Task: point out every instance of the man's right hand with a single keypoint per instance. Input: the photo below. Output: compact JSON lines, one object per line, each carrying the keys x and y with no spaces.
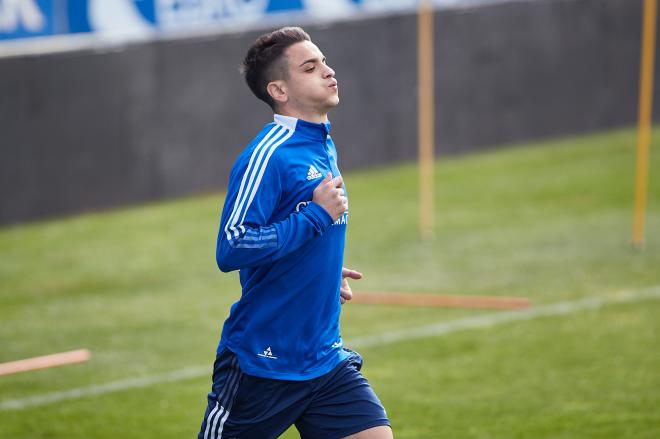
{"x":329,"y":194}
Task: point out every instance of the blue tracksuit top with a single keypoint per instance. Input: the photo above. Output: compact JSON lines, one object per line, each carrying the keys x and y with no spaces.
{"x":289,"y":253}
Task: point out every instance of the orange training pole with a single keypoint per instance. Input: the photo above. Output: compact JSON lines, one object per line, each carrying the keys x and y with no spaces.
{"x":441,"y":301}
{"x":45,"y":362}
{"x":644,"y":122}
{"x":426,"y":117}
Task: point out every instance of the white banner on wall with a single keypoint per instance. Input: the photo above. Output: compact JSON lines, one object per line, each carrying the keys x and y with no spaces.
{"x":37,"y":18}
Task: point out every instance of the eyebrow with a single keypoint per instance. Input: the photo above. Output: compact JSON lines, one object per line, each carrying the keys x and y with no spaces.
{"x":310,"y":60}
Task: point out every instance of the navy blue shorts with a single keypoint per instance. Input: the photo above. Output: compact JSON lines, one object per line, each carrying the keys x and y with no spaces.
{"x":332,"y":406}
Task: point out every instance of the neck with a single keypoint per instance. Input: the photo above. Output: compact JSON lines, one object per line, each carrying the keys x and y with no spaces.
{"x":309,"y":116}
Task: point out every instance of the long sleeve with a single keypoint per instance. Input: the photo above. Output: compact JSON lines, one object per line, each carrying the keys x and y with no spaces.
{"x":289,"y":251}
{"x":247,"y":237}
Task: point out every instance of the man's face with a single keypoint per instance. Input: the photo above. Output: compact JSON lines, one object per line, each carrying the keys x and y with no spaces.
{"x":311,"y":83}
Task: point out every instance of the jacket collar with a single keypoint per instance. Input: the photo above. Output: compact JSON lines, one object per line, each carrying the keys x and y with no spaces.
{"x":318,"y":131}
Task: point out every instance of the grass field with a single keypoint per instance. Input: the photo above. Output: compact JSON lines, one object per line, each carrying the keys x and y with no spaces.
{"x":550,"y":221}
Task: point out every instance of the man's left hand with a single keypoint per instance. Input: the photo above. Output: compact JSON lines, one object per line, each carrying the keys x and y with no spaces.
{"x":345,"y":293}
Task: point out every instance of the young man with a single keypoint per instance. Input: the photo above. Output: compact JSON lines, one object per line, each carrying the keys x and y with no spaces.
{"x":280,"y":360}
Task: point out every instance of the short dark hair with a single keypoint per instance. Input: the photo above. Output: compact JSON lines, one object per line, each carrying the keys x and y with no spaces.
{"x":263,"y":62}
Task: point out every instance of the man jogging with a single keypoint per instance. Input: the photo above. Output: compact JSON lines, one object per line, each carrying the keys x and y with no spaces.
{"x":281,"y":361}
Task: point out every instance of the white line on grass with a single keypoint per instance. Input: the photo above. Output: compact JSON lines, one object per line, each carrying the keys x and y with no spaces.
{"x":436,"y":329}
{"x":101,"y":389}
{"x":486,"y":320}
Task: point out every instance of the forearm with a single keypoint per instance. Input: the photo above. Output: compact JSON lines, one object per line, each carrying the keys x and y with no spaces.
{"x":254,"y":245}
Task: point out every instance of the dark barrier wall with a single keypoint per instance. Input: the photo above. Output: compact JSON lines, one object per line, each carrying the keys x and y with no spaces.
{"x":91,"y":129}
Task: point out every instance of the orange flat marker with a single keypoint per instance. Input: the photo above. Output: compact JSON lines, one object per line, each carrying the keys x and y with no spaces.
{"x":45,"y":362}
{"x":442,"y":301}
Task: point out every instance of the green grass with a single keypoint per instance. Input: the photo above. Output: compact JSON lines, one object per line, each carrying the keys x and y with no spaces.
{"x":550,"y":221}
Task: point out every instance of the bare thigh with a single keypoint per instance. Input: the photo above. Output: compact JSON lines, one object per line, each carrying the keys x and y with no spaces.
{"x":381,"y":432}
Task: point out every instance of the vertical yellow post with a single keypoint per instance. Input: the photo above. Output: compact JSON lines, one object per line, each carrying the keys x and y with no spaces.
{"x":644,"y":123}
{"x":426,"y":117}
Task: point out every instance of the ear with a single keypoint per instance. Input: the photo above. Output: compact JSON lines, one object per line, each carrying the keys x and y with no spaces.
{"x":277,"y":90}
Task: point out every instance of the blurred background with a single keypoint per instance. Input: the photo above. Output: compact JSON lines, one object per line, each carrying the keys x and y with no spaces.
{"x":120,"y":121}
{"x":130,"y":101}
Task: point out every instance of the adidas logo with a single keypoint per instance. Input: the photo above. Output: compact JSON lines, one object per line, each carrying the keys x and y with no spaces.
{"x":268,"y":354}
{"x":313,"y":173}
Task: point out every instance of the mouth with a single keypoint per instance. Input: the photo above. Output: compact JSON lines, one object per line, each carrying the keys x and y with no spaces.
{"x":333,"y":85}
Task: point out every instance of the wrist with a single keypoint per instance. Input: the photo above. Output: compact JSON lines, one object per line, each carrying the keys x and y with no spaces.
{"x":321,"y":215}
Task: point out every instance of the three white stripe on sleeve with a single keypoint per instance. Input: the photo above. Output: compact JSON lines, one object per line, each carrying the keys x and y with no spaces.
{"x":253,"y":175}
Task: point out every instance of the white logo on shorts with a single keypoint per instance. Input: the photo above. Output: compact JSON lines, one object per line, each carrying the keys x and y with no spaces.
{"x":268,"y":353}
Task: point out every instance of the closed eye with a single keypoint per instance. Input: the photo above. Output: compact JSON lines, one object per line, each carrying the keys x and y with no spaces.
{"x":311,"y":63}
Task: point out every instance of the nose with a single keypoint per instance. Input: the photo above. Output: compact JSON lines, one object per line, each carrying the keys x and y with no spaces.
{"x":329,"y":73}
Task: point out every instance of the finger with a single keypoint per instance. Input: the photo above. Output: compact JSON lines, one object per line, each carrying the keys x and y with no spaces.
{"x":326,"y":180}
{"x":353,"y":274}
{"x":345,"y":289}
{"x":346,"y":294}
{"x":342,"y":300}
{"x":338,"y":181}
{"x":330,"y":181}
